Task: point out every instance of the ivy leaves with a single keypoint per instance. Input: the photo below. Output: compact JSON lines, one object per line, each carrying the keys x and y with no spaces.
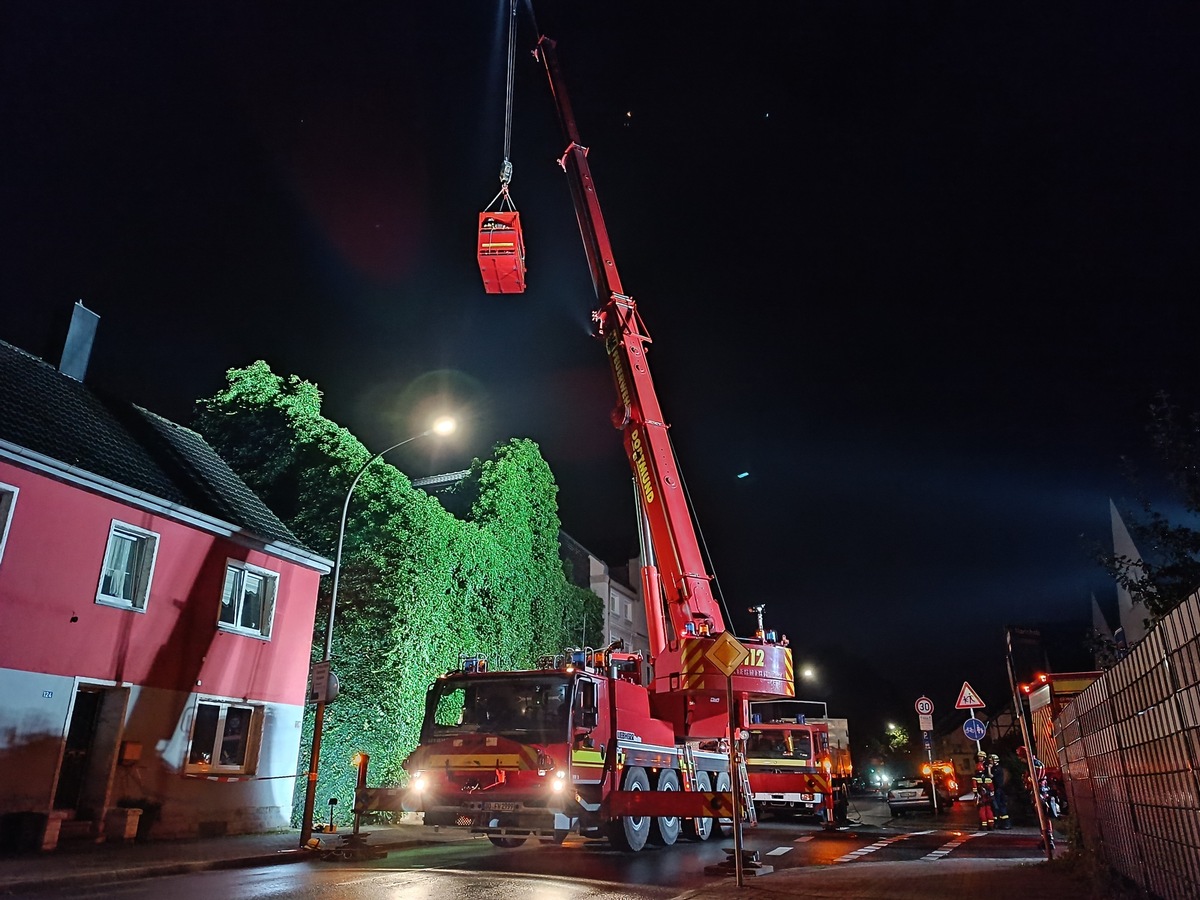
{"x":418,"y":586}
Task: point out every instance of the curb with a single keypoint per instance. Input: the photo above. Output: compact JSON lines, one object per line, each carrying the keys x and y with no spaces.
{"x":159,"y":870}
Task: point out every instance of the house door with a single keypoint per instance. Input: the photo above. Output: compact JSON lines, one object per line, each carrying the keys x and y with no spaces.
{"x":90,"y":754}
{"x":81,"y":738}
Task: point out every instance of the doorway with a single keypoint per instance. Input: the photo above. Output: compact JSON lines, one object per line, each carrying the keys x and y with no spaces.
{"x":90,"y":749}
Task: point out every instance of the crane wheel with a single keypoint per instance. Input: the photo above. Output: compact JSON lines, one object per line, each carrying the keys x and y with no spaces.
{"x":700,"y":829}
{"x":723,"y":826}
{"x":631,"y":832}
{"x":666,"y":828}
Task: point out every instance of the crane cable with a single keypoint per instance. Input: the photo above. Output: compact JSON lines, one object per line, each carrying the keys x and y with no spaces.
{"x":506,"y":167}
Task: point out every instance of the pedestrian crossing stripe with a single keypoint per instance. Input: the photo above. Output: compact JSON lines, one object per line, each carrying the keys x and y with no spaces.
{"x":948,"y":848}
{"x":779,"y":851}
{"x":878,"y":845}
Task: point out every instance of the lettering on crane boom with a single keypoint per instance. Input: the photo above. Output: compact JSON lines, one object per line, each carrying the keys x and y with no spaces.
{"x":635,"y":436}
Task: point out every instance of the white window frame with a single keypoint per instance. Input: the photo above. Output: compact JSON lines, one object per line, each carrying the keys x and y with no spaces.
{"x":8,"y":503}
{"x":270,"y":582}
{"x":252,"y":739}
{"x":147,"y":544}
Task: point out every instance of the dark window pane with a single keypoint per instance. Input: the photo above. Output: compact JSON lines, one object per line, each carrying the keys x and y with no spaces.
{"x":229,"y":596}
{"x":234,"y":737}
{"x":204,"y":734}
{"x":252,"y":601}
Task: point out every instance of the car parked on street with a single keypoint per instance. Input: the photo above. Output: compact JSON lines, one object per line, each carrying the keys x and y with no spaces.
{"x":909,"y":792}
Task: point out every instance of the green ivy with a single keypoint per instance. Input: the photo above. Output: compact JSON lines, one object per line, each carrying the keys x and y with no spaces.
{"x":418,"y":586}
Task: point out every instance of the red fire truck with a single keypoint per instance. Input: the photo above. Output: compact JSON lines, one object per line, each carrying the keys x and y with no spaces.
{"x":797,"y":765}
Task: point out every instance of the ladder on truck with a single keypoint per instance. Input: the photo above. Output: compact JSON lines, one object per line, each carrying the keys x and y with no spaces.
{"x":747,"y":795}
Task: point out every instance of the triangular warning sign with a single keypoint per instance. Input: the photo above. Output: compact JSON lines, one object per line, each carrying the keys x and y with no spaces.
{"x":968,"y":699}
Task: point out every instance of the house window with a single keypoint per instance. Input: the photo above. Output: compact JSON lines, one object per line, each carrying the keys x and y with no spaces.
{"x":8,"y":500}
{"x":628,"y":611}
{"x":128,"y":565}
{"x":248,"y":599}
{"x":225,"y":737}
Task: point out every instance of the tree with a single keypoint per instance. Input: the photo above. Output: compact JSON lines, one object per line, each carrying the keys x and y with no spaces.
{"x":1169,"y":570}
{"x":418,"y":587}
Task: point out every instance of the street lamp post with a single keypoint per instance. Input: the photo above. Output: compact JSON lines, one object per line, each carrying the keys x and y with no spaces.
{"x":441,"y":426}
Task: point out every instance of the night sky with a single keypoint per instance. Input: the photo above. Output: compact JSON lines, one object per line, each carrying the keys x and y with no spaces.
{"x":919,"y":269}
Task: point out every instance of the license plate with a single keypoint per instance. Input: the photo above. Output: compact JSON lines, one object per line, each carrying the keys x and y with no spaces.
{"x":500,"y":806}
{"x":909,"y":795}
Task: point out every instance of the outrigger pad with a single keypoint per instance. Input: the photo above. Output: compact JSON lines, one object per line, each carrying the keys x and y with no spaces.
{"x":501,"y":252}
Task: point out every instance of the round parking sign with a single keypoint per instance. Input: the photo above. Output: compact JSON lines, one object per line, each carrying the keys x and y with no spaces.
{"x":974,"y":729}
{"x":924,"y":706}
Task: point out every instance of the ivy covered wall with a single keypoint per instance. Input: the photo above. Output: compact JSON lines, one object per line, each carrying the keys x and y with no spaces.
{"x":418,"y":585}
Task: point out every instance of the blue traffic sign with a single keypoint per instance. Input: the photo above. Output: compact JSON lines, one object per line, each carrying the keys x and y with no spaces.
{"x":974,"y":729}
{"x":927,"y":740}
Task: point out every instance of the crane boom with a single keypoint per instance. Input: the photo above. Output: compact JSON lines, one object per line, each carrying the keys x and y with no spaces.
{"x":692,"y":615}
{"x":690,"y":605}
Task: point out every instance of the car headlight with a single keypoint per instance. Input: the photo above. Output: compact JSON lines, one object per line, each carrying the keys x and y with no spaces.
{"x":418,"y":781}
{"x":559,"y":783}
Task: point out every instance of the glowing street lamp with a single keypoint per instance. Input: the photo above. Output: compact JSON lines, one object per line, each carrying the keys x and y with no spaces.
{"x":442,"y":426}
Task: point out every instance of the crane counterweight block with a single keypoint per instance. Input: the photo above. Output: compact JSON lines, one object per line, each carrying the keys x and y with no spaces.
{"x":501,"y":252}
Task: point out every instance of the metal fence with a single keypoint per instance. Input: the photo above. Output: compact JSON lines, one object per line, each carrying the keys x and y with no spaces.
{"x":1129,"y":748}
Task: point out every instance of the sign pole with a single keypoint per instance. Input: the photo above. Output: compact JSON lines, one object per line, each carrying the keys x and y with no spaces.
{"x":924,"y":708}
{"x":735,"y":782}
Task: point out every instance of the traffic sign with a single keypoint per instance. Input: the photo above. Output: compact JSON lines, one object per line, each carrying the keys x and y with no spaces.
{"x":927,"y":740}
{"x":968,"y":699}
{"x":924,"y":706}
{"x":319,"y":686}
{"x":727,"y":653}
{"x":974,"y":729}
{"x":925,"y":723}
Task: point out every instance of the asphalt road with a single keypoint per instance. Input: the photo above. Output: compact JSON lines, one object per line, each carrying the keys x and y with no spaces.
{"x":799,"y":851}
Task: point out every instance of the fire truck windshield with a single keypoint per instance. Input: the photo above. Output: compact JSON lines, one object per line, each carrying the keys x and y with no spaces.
{"x":780,"y":744}
{"x":531,"y":709}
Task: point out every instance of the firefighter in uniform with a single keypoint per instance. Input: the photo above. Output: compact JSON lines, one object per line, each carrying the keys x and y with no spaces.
{"x":982,"y":782}
{"x":999,"y":794}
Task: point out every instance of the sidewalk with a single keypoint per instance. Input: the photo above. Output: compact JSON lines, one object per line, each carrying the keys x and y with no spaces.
{"x":86,"y":863}
{"x":83,"y":864}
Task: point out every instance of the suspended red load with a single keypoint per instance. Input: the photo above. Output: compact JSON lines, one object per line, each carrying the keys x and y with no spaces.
{"x":501,"y":252}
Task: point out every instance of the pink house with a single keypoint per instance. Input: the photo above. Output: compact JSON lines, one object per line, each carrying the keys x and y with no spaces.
{"x":156,"y":620}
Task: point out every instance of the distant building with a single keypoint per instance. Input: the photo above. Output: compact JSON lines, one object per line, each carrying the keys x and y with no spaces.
{"x":624,"y":607}
{"x":157,"y":619}
{"x":1131,"y":618}
{"x":618,"y":586}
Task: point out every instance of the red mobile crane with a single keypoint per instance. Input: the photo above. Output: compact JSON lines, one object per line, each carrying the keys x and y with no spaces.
{"x":591,"y":742}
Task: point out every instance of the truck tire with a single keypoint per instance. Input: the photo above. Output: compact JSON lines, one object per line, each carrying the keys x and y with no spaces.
{"x":700,"y":829}
{"x":631,"y":832}
{"x":508,"y":843}
{"x":666,"y":828}
{"x":724,"y":785}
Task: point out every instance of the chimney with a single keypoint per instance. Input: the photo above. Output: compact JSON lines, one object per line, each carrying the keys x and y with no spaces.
{"x":78,"y":348}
